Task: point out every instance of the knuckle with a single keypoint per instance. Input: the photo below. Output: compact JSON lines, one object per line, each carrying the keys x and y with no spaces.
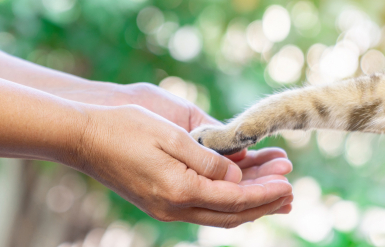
{"x":163,"y":216}
{"x":135,"y":108}
{"x":145,"y":86}
{"x":269,"y":210}
{"x":273,"y":207}
{"x":177,"y":200}
{"x":231,"y":221}
{"x":238,"y":206}
{"x":177,"y":138}
{"x":264,"y":193}
{"x":211,"y":166}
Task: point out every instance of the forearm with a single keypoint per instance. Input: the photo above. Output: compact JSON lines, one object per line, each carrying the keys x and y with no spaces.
{"x":36,"y":125}
{"x":51,"y":81}
{"x":155,"y":99}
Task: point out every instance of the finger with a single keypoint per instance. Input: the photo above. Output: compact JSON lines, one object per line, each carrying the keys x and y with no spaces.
{"x":283,"y":210}
{"x":262,"y":180}
{"x":237,"y":156}
{"x":286,"y":207}
{"x":279,"y":166}
{"x":191,"y":190}
{"x":259,"y":157}
{"x":208,"y":217}
{"x":204,"y":161}
{"x":229,"y":197}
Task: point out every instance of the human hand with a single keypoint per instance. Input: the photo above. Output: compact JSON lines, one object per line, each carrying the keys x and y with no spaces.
{"x":157,"y":100}
{"x":157,"y":166}
{"x":184,"y":114}
{"x":266,"y":163}
{"x":188,"y":116}
{"x":175,"y":109}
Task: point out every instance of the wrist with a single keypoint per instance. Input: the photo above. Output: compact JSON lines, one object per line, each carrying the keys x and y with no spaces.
{"x":37,"y":125}
{"x":75,"y":151}
{"x":88,"y":147}
{"x":66,"y":136}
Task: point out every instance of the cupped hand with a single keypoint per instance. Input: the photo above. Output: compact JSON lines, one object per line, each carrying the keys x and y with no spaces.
{"x":157,"y":166}
{"x":265,"y":164}
{"x":173,"y":108}
{"x":254,"y":164}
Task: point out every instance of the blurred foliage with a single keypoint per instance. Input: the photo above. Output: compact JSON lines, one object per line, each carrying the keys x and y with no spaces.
{"x":101,"y":40}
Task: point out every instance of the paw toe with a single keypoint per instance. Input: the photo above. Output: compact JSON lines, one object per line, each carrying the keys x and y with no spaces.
{"x":249,"y":139}
{"x":199,"y":140}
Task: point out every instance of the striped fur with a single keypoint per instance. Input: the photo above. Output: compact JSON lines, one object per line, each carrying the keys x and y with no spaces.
{"x":350,"y":105}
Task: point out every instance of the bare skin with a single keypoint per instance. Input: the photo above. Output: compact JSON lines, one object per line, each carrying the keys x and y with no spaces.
{"x":149,"y":159}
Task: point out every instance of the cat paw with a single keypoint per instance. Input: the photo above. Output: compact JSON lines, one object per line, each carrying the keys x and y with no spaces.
{"x":219,"y":138}
{"x":226,"y":139}
{"x":248,"y":134}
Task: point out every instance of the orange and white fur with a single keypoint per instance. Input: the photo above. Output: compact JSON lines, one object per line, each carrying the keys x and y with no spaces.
{"x":356,"y":104}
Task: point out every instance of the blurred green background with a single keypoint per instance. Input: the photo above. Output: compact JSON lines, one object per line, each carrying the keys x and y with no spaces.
{"x":222,"y":55}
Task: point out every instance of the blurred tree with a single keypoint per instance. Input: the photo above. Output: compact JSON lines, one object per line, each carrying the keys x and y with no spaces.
{"x":223,"y":55}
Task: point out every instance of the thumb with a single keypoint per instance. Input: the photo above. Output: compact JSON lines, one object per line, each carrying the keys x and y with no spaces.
{"x":204,"y":161}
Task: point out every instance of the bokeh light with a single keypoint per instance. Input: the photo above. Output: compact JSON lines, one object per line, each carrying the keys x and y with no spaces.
{"x":286,"y":66}
{"x":305,"y":18}
{"x":296,"y":138}
{"x":58,"y":5}
{"x":340,"y":61}
{"x":93,"y":238}
{"x":211,"y":22}
{"x":346,"y":215}
{"x":315,"y":223}
{"x":331,"y":143}
{"x":165,"y":32}
{"x":185,"y":44}
{"x":117,"y":234}
{"x":358,"y":148}
{"x":256,"y":37}
{"x":314,"y":54}
{"x":221,"y":56}
{"x":60,"y":199}
{"x":373,"y":225}
{"x":235,"y":48}
{"x":359,"y":29}
{"x":373,"y":61}
{"x":276,"y":23}
{"x":180,"y":88}
{"x":150,"y":19}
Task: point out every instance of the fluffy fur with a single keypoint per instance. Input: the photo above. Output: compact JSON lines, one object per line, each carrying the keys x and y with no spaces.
{"x":350,"y":105}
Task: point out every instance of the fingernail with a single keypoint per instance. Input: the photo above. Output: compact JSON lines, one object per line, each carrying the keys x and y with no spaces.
{"x":233,"y":174}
